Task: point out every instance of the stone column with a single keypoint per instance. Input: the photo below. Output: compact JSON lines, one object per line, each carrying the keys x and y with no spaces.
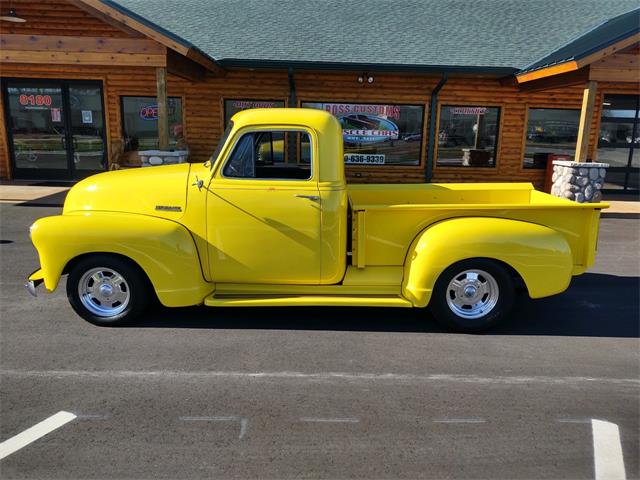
{"x":578,"y":181}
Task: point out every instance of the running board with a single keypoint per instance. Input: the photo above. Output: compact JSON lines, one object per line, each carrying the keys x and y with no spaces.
{"x":306,"y":301}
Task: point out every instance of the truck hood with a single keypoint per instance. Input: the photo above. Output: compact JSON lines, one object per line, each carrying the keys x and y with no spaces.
{"x":159,"y":191}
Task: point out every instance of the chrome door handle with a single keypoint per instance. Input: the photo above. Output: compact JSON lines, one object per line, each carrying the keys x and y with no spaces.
{"x":313,"y":198}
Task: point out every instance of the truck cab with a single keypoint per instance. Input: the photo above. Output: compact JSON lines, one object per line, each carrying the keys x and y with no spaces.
{"x":276,"y":200}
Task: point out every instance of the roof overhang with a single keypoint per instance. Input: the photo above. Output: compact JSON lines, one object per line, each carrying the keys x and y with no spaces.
{"x":115,"y":14}
{"x":580,"y":60}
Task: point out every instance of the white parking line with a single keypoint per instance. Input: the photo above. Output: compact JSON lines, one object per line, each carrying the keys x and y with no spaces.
{"x":460,"y":420}
{"x":244,"y":423}
{"x":328,"y":420}
{"x":607,"y":451}
{"x":34,"y":433}
{"x":337,"y":376}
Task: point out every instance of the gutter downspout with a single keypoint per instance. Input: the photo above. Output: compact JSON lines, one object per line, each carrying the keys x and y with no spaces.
{"x":293,"y":103}
{"x":293,"y":99}
{"x":432,"y":126}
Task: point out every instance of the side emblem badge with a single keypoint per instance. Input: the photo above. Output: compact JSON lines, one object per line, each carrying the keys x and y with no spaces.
{"x":168,"y":208}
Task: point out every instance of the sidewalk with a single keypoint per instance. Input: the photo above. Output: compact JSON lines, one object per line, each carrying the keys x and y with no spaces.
{"x":35,"y":195}
{"x":622,"y":204}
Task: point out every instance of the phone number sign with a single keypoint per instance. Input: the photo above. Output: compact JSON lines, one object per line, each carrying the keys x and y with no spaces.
{"x":363,"y":159}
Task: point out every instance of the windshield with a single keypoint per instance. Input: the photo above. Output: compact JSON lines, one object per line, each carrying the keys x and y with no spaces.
{"x":221,"y":143}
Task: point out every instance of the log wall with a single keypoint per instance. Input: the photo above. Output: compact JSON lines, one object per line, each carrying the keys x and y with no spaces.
{"x":55,"y":17}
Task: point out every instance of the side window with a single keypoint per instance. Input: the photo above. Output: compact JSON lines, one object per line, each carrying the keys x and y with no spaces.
{"x":262,"y":155}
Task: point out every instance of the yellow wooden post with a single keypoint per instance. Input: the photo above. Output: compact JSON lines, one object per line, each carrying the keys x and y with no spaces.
{"x":586,"y":114}
{"x":163,"y":115}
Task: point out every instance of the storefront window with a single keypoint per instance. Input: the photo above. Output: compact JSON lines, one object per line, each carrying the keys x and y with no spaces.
{"x":231,"y":107}
{"x":140,"y":122}
{"x":376,"y":134}
{"x":550,"y":130}
{"x":467,"y":136}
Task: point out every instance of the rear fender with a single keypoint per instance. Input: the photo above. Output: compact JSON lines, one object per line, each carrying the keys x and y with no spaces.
{"x":541,"y":256}
{"x":164,"y":249}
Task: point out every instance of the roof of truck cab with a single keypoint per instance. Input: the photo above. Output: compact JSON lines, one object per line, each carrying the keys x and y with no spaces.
{"x":499,"y":36}
{"x":287,"y":117}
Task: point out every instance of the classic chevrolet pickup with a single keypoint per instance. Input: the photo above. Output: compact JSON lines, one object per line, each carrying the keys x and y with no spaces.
{"x":270,"y":221}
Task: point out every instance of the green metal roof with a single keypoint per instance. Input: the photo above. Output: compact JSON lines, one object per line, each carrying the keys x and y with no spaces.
{"x":605,"y":34}
{"x":503,"y":36}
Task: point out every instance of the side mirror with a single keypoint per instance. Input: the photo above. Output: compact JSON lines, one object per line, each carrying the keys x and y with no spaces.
{"x":198,"y":183}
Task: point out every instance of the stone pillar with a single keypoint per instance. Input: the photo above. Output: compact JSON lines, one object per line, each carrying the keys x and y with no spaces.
{"x":578,"y":181}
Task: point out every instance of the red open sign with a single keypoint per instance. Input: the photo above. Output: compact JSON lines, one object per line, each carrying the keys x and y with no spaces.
{"x":149,"y":112}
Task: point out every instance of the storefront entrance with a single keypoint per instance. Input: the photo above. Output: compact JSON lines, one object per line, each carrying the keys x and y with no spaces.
{"x":55,"y":128}
{"x":619,"y":142}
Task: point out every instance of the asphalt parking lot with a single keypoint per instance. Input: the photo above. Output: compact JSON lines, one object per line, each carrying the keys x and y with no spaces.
{"x":324,"y":392}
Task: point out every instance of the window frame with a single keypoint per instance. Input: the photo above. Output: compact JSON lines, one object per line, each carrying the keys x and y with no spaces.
{"x":424,"y":131}
{"x":223,"y":106}
{"x":182,"y":111}
{"x":219,"y":174}
{"x":493,"y":170}
{"x":523,"y":146}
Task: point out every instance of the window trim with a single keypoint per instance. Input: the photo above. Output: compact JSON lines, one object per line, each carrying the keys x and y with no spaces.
{"x":219,"y":174}
{"x":223,"y":107}
{"x":421,"y":152}
{"x":494,"y":170}
{"x":523,"y":146}
{"x":182,"y":111}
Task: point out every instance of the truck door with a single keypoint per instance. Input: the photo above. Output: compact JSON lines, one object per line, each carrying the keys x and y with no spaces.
{"x":264,"y":212}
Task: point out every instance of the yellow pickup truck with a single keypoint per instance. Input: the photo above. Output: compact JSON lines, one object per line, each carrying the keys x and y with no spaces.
{"x":270,"y":221}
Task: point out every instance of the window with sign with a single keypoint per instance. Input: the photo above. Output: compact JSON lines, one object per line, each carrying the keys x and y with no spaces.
{"x":259,"y":155}
{"x":468,"y":136}
{"x":231,"y":106}
{"x":140,"y":122}
{"x":377,"y":134}
{"x":550,"y":131}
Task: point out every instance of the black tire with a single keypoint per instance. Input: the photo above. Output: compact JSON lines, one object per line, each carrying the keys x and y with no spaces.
{"x":474,"y":319}
{"x":135,"y":290}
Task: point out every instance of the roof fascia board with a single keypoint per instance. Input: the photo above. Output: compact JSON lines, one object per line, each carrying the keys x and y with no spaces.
{"x":380,"y":67}
{"x":557,"y":69}
{"x":596,"y":54}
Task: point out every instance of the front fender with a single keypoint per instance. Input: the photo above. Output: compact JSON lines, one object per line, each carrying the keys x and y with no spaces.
{"x":540,"y":255}
{"x":164,"y":249}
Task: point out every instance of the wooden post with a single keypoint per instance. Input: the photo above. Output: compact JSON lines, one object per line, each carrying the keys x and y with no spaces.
{"x":586,"y":114}
{"x":163,"y":116}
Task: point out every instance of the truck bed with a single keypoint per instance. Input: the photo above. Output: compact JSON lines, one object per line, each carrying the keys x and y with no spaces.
{"x":386,"y":218}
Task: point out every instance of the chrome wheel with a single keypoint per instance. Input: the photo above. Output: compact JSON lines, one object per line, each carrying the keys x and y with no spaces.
{"x":104,"y":292}
{"x":472,"y":294}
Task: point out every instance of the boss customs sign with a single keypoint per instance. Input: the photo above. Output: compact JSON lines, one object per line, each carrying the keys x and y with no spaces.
{"x":377,"y":134}
{"x":366,"y":124}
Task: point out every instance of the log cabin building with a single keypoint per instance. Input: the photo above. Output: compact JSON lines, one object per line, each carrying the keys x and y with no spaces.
{"x":429,"y":91}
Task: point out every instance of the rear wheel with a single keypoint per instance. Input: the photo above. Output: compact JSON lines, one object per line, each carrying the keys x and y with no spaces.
{"x":472,"y":295}
{"x":106,"y":290}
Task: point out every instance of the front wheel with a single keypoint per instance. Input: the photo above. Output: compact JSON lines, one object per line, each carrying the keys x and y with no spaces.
{"x":107,"y":290}
{"x":472,"y":295}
